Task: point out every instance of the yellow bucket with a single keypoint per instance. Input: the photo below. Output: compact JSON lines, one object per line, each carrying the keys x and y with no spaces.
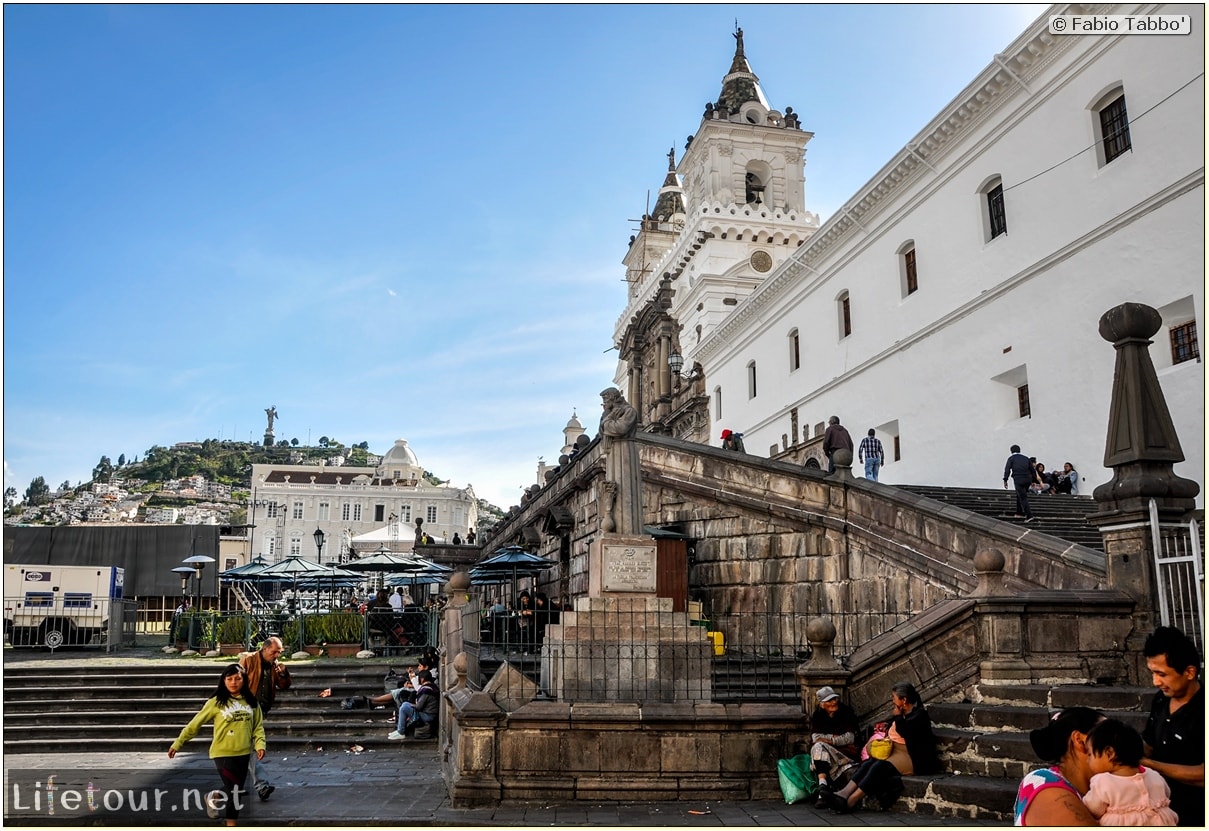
{"x":719,"y":642}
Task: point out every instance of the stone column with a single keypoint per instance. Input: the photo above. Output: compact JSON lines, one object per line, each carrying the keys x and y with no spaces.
{"x":1000,"y":624}
{"x":1141,"y":448}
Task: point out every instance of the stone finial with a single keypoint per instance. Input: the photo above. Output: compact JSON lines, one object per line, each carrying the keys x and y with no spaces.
{"x":457,"y":587}
{"x":843,"y":462}
{"x":460,"y":666}
{"x":820,"y":632}
{"x":988,"y":566}
{"x":1142,"y":444}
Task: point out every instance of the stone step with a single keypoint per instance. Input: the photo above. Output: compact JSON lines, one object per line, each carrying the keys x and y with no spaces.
{"x":971,"y":797}
{"x":981,"y":718}
{"x":1056,"y":697}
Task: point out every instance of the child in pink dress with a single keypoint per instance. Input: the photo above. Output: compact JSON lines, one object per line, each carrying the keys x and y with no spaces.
{"x":1123,"y":792}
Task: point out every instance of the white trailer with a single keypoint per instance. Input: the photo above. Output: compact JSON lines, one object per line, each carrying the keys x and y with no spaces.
{"x":53,"y":605}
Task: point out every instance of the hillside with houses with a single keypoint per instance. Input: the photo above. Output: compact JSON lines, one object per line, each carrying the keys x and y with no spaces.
{"x":189,"y":483}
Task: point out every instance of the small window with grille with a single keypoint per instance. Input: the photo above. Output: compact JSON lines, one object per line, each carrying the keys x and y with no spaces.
{"x":1184,"y":346}
{"x":1114,"y":129}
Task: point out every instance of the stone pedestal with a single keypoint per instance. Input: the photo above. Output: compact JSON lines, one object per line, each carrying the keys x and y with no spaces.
{"x":622,"y":643}
{"x":626,"y":649}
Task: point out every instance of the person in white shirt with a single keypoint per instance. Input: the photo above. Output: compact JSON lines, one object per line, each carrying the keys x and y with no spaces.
{"x":396,"y":600}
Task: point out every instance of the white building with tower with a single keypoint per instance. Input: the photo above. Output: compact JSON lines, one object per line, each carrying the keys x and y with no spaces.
{"x":290,"y":502}
{"x":952,"y":304}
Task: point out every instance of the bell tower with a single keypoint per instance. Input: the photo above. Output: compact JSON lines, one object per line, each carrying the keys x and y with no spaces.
{"x":727,"y":216}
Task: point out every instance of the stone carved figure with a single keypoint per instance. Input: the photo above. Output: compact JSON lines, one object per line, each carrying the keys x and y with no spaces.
{"x":623,"y":486}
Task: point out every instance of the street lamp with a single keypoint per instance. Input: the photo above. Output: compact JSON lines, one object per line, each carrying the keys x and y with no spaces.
{"x":675,"y":363}
{"x":320,"y":538}
{"x":197,"y":562}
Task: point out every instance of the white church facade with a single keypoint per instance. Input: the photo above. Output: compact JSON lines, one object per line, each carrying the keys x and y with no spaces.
{"x":952,"y":304}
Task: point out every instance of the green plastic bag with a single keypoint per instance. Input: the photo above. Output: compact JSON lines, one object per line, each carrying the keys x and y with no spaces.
{"x":798,"y":781}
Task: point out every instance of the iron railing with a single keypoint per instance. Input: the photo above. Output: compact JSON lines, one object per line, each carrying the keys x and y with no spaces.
{"x":1179,"y":576}
{"x":640,"y":656}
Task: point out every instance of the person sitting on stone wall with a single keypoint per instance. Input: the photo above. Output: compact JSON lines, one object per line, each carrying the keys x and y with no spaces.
{"x":833,"y":749}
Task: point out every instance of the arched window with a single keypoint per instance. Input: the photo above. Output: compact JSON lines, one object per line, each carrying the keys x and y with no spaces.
{"x":1111,"y":125}
{"x":756,"y":179}
{"x":751,"y":379}
{"x":795,"y":350}
{"x":994,"y":209}
{"x":843,"y":307}
{"x":907,"y":269}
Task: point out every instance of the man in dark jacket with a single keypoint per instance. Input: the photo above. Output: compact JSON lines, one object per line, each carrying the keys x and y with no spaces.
{"x":1020,"y":470}
{"x":835,"y":437}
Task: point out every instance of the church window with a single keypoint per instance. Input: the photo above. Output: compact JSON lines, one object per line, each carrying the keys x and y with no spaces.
{"x":994,"y":209}
{"x":795,"y":350}
{"x":431,"y":513}
{"x":1026,"y":411}
{"x":1184,"y":345}
{"x":844,"y":308}
{"x":898,"y":449}
{"x":751,"y":379}
{"x":1113,"y":132}
{"x":910,"y":275}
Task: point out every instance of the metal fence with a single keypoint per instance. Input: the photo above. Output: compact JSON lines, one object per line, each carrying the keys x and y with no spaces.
{"x":640,"y":656}
{"x":34,"y":620}
{"x":1179,"y":575}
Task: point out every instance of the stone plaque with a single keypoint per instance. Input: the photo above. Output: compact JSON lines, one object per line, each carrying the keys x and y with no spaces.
{"x":628,"y":568}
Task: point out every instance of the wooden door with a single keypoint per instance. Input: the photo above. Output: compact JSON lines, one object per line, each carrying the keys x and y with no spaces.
{"x":671,"y":572}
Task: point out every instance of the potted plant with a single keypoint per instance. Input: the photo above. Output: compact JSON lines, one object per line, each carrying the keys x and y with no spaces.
{"x":341,"y":633}
{"x":232,"y":634}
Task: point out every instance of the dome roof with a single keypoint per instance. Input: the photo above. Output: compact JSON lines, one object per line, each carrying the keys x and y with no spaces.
{"x":401,"y":455}
{"x":573,"y":424}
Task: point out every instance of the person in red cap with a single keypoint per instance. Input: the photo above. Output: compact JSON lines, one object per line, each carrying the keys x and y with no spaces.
{"x":732,"y":441}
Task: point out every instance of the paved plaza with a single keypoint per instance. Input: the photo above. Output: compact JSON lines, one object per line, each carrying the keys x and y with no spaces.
{"x":398,"y":786}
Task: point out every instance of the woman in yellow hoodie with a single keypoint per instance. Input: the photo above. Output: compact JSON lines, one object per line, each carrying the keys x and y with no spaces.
{"x":238,"y":728}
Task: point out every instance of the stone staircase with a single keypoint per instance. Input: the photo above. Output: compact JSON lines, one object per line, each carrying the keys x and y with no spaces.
{"x":985,"y":743}
{"x":79,"y":708}
{"x":1059,"y":515}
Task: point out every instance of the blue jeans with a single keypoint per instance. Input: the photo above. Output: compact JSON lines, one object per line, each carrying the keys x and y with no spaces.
{"x":408,"y":716}
{"x":872,"y":466}
{"x":260,"y":776}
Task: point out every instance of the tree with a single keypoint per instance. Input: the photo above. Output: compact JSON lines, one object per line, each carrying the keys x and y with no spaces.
{"x":66,"y":486}
{"x":122,"y":460}
{"x":324,"y":441}
{"x":10,"y":496}
{"x":38,"y":493}
{"x":103,"y":472}
{"x":362,"y":446}
{"x":283,"y":443}
{"x":294,"y":442}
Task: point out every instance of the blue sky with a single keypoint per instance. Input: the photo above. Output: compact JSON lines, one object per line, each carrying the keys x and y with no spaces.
{"x":388,"y":221}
